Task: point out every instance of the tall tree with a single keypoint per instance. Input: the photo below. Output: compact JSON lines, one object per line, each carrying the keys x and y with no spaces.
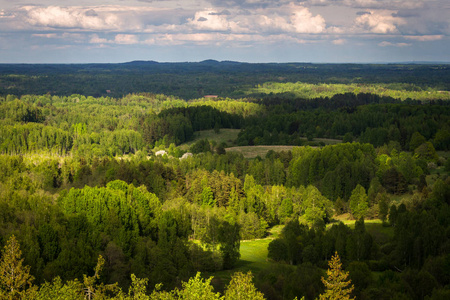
{"x":337,"y":284}
{"x":358,"y":202}
{"x":15,"y":278}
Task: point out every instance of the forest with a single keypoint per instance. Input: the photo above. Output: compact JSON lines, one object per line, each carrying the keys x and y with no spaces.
{"x":119,"y":195}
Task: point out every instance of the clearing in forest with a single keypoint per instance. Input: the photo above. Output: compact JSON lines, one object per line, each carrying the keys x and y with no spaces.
{"x":225,"y":135}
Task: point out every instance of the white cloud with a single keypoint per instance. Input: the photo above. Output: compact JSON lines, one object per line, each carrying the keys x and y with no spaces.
{"x":424,"y":38}
{"x":95,"y":39}
{"x":126,"y":39}
{"x":286,"y":19}
{"x":45,"y":35}
{"x":72,"y":17}
{"x":373,"y":4}
{"x":379,"y":22}
{"x":227,"y":22}
{"x":339,"y":42}
{"x":211,"y":20}
{"x":389,"y":44}
{"x":304,"y":22}
{"x":95,"y":18}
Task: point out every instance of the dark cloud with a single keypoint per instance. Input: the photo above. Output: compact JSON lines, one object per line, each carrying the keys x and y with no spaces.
{"x":407,"y":14}
{"x":361,"y":13}
{"x":202,"y":19}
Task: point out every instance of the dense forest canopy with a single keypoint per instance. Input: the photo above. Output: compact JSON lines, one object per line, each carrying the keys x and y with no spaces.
{"x":118,"y":195}
{"x":226,"y":78}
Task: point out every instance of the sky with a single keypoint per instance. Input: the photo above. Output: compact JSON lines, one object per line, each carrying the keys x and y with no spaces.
{"x":318,"y":31}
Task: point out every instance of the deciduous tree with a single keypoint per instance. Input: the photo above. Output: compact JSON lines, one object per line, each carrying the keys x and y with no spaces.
{"x":15,"y":278}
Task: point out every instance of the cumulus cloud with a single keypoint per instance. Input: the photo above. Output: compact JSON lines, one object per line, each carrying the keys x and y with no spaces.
{"x":286,"y":19}
{"x":210,"y":20}
{"x":72,"y":17}
{"x":249,"y":3}
{"x":126,"y":39}
{"x":371,"y":4}
{"x":379,"y":22}
{"x":99,"y":18}
{"x":242,"y":21}
{"x":304,"y":22}
{"x":95,"y":39}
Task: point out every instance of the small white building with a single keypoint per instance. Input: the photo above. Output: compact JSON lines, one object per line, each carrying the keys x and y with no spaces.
{"x":161,"y":153}
{"x":186,"y":155}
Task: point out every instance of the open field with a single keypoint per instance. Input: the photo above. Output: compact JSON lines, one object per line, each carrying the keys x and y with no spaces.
{"x":254,"y":151}
{"x":225,"y":135}
{"x":261,"y":150}
{"x":228,"y":136}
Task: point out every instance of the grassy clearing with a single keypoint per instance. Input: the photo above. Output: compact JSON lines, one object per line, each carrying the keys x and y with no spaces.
{"x":327,"y":141}
{"x":398,"y":199}
{"x":261,"y":150}
{"x":253,"y":258}
{"x":254,"y":151}
{"x":225,"y":135}
{"x":380,"y":232}
{"x":254,"y":252}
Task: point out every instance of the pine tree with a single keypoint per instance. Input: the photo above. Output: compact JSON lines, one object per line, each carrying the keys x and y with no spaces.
{"x":337,"y":284}
{"x":15,"y":278}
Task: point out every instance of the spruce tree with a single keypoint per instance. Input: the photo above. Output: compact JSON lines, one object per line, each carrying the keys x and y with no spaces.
{"x":337,"y":284}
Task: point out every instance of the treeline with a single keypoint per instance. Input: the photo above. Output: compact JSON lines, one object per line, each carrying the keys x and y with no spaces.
{"x":179,"y":124}
{"x":398,"y":91}
{"x":87,"y":123}
{"x":107,"y":126}
{"x":287,"y":122}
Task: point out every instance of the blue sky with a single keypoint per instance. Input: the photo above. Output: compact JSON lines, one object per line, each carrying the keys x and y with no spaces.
{"x":68,"y":31}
